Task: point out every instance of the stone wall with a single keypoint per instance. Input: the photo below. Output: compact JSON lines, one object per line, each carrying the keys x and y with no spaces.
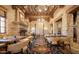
{"x":10,"y":17}
{"x":12,"y":20}
{"x":60,"y":14}
{"x":67,"y":20}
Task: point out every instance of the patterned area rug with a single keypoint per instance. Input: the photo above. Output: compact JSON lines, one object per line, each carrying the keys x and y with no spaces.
{"x":40,"y":45}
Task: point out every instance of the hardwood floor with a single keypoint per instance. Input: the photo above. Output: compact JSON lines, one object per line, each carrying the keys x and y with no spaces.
{"x":41,"y":46}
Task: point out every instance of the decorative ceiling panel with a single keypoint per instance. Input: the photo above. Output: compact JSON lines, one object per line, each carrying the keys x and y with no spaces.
{"x":39,"y":10}
{"x":32,"y":12}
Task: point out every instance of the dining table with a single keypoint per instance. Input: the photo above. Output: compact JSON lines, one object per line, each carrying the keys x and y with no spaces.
{"x":5,"y":42}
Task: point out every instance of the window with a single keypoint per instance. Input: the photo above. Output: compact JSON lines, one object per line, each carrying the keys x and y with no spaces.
{"x":2,"y":24}
{"x":74,"y":28}
{"x":59,"y":26}
{"x":2,"y":19}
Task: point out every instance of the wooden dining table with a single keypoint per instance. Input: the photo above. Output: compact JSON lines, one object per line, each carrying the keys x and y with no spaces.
{"x":5,"y":42}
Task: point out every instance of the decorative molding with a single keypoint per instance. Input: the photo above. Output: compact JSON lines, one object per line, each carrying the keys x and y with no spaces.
{"x":72,"y":9}
{"x":3,"y":8}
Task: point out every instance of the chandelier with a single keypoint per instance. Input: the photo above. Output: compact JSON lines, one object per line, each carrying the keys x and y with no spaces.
{"x":41,"y":8}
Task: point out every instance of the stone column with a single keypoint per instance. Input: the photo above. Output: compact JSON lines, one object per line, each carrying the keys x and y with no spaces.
{"x":70,"y":26}
{"x":54,"y":27}
{"x":77,"y":26}
{"x":64,"y":24}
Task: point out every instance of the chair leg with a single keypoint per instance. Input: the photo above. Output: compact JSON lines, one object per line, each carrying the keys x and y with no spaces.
{"x":22,"y":51}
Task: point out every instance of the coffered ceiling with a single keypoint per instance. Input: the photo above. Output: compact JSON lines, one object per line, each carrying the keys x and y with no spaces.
{"x":40,"y":10}
{"x":36,"y":11}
